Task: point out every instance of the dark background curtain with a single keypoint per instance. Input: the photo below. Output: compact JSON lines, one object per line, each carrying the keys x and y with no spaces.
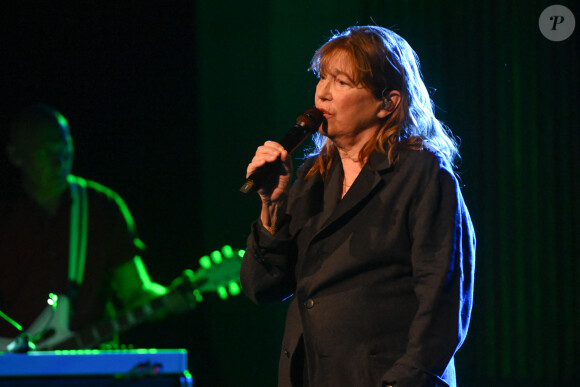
{"x":167,"y":101}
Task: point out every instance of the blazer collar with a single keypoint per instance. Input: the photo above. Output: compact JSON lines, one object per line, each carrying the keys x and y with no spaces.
{"x":366,"y":183}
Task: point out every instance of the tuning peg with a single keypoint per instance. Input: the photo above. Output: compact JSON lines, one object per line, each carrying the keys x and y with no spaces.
{"x":216,"y":257}
{"x":233,"y":288}
{"x":222,"y":292}
{"x":205,"y":262}
{"x":227,"y":251}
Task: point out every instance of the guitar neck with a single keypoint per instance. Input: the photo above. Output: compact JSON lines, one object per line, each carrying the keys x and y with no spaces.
{"x":184,"y":294}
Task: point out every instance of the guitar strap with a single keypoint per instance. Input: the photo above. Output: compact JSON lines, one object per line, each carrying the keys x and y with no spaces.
{"x":78,"y":234}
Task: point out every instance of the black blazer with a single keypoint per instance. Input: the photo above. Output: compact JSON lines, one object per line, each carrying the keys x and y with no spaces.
{"x":381,"y":282}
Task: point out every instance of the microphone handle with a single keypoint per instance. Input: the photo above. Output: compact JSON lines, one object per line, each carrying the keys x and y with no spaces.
{"x":296,"y":136}
{"x":306,"y":124}
{"x":260,"y":176}
{"x":291,"y":140}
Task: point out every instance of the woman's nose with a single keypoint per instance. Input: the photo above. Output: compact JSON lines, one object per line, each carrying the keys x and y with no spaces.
{"x":323,"y":91}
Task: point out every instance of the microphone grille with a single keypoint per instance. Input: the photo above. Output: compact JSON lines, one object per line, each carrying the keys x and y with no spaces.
{"x":310,"y":118}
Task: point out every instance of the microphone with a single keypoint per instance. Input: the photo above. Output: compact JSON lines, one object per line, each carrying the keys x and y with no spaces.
{"x":306,"y":124}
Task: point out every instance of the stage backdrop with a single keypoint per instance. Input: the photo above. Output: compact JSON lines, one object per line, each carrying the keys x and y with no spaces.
{"x":168,"y":101}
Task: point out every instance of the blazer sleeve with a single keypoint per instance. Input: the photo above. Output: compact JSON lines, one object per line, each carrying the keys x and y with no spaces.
{"x":267,"y":272}
{"x":443,"y":260}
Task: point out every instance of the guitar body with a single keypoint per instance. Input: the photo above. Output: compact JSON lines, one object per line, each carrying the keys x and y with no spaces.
{"x":51,"y":329}
{"x":54,"y":326}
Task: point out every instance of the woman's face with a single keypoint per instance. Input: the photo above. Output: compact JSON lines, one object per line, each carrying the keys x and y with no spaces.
{"x":351,"y":110}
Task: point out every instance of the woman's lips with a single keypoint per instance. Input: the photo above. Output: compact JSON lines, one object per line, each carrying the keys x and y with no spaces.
{"x":325,"y":113}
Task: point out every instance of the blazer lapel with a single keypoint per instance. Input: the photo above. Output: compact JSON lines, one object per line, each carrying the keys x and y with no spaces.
{"x":326,"y":196}
{"x":366,"y":183}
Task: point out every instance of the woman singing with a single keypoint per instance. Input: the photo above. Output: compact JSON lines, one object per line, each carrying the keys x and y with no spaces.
{"x":373,"y":243}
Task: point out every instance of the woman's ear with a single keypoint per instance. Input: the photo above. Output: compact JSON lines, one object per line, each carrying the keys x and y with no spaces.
{"x":390,"y":103}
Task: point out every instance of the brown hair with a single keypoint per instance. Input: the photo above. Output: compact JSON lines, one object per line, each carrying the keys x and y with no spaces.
{"x":382,"y":62}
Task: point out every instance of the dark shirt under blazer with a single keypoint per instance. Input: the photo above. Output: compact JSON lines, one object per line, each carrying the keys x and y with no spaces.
{"x":381,"y":282}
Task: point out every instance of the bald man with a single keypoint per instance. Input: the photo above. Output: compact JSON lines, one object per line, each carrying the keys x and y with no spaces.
{"x":64,"y":235}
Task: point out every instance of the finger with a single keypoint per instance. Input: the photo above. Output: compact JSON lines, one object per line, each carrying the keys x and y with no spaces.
{"x":284,"y":155}
{"x":274,"y":145}
{"x":260,"y":160}
{"x":265,"y":154}
{"x":269,"y":153}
